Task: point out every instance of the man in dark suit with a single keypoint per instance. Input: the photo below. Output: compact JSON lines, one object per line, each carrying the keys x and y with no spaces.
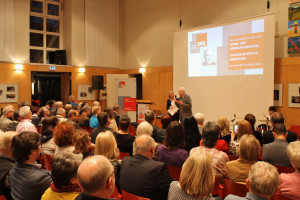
{"x":142,"y":176}
{"x":277,"y":118}
{"x":116,"y":113}
{"x":185,"y":105}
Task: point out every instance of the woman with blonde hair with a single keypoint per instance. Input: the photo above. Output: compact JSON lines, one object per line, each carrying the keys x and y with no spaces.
{"x":106,"y":145}
{"x":224,"y":126}
{"x":171,"y":103}
{"x":196,"y":180}
{"x":244,"y":127}
{"x":238,"y":170}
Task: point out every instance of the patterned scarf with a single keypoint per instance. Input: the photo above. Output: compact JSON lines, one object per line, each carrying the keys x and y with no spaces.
{"x":68,"y":188}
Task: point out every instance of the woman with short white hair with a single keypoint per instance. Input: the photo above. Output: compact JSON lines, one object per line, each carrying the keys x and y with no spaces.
{"x":196,"y":180}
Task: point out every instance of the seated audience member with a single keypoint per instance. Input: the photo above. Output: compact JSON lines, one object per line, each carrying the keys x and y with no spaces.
{"x":73,"y":117}
{"x":64,"y":175}
{"x":68,"y":107}
{"x":83,"y":144}
{"x":192,"y":134}
{"x":44,"y":112}
{"x":27,"y":179}
{"x":165,"y":121}
{"x":96,"y":103}
{"x":210,"y":135}
{"x":272,"y":109}
{"x":106,"y":145}
{"x":142,"y":176}
{"x":277,"y":118}
{"x":244,"y":127}
{"x":61,"y":115}
{"x":289,"y":183}
{"x":224,"y":126}
{"x":196,"y":179}
{"x":150,"y":117}
{"x":238,"y":170}
{"x":94,"y":121}
{"x":251,"y":119}
{"x":96,"y":177}
{"x":6,"y":162}
{"x":84,"y":119}
{"x":262,"y":182}
{"x":116,"y":113}
{"x":35,"y":114}
{"x":71,"y":100}
{"x":199,"y":117}
{"x":123,"y":138}
{"x":104,"y":122}
{"x":275,"y":152}
{"x":25,"y":124}
{"x":113,"y":124}
{"x":6,"y":120}
{"x":47,"y":141}
{"x":64,"y":138}
{"x":172,"y":152}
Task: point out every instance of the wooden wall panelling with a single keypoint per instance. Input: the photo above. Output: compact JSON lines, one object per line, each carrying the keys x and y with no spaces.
{"x":163,"y":91}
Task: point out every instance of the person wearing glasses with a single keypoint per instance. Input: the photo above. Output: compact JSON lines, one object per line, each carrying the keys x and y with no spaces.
{"x":96,"y":177}
{"x":6,"y":120}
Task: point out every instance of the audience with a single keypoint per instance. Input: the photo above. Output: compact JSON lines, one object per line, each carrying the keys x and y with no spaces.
{"x":224,"y":126}
{"x":251,"y":119}
{"x":61,"y":115}
{"x":96,"y":177}
{"x":277,"y":118}
{"x":68,"y":107}
{"x":210,"y":135}
{"x":289,"y":183}
{"x":150,"y":117}
{"x":196,"y":180}
{"x":165,"y":121}
{"x":116,"y":113}
{"x":48,"y":145}
{"x":25,"y":124}
{"x":73,"y":118}
{"x":238,"y":170}
{"x":123,"y":138}
{"x":172,"y":152}
{"x":262,"y":182}
{"x":275,"y":152}
{"x":244,"y":127}
{"x":199,"y":117}
{"x":84,"y":119}
{"x":71,"y":100}
{"x":44,"y":112}
{"x":106,"y":145}
{"x":64,"y":175}
{"x":142,"y":176}
{"x":94,"y":121}
{"x":83,"y":144}
{"x":104,"y":122}
{"x":6,"y":162}
{"x":113,"y":124}
{"x":192,"y":134}
{"x":6,"y":120}
{"x":27,"y":179}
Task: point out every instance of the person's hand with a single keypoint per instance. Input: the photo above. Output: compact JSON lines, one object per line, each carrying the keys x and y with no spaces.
{"x":179,"y":102}
{"x":233,"y":134}
{"x":171,"y":107}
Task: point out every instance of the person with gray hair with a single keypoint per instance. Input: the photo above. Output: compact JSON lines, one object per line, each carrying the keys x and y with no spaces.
{"x":144,"y":128}
{"x":25,"y":124}
{"x":185,"y":104}
{"x":289,"y":183}
{"x":142,"y":176}
{"x":199,"y":117}
{"x":6,"y":162}
{"x":6,"y":120}
{"x":96,"y":177}
{"x":61,"y":115}
{"x":262,"y":182}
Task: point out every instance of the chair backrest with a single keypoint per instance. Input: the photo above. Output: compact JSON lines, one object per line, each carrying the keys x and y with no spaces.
{"x":46,"y":162}
{"x":123,"y":155}
{"x":128,"y":196}
{"x":295,"y":128}
{"x":231,"y":187}
{"x":116,"y":194}
{"x":286,"y":170}
{"x":174,"y":172}
{"x":216,"y":188}
{"x":2,"y":197}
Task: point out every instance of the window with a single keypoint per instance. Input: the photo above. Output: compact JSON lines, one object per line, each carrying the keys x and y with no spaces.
{"x":45,"y":29}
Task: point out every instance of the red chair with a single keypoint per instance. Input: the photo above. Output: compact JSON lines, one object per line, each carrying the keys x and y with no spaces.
{"x":296,"y":129}
{"x":286,"y":170}
{"x":2,"y":197}
{"x":174,"y":172}
{"x":123,"y":155}
{"x":116,"y":194}
{"x":217,"y":186}
{"x":128,"y":196}
{"x":279,"y":196}
{"x":46,"y":161}
{"x":231,"y":187}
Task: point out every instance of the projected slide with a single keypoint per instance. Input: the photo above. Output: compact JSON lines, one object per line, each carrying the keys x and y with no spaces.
{"x":236,"y":49}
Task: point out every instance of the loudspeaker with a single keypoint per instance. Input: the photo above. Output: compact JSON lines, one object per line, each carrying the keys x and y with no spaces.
{"x":97,"y":83}
{"x":60,"y":57}
{"x":51,"y":56}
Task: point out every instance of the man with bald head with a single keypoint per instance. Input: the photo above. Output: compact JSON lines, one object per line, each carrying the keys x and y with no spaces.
{"x":185,"y":105}
{"x":142,"y":176}
{"x":96,"y":177}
